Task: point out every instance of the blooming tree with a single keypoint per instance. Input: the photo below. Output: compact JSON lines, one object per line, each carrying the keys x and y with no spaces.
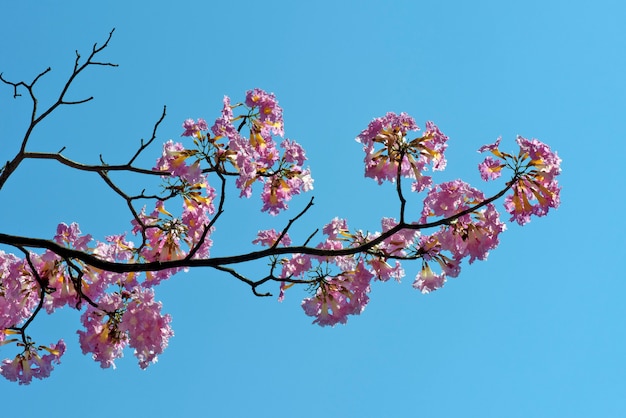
{"x":113,"y":280}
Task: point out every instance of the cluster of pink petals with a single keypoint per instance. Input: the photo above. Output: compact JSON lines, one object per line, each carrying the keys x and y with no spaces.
{"x":277,"y":191}
{"x":270,"y":113}
{"x":542,"y":158}
{"x":193,"y":128}
{"x":268,"y":238}
{"x":148,"y":330}
{"x":339,"y":296}
{"x":536,"y":189}
{"x":19,"y":292}
{"x":197,"y":210}
{"x":427,"y":281}
{"x":130,"y":318}
{"x":258,"y":158}
{"x":520,"y":204}
{"x":223,"y":126}
{"x":472,"y":234}
{"x":396,"y":245}
{"x":29,"y":364}
{"x":102,"y":336}
{"x":398,"y":153}
{"x":70,"y":236}
{"x":174,"y":161}
{"x":490,"y":169}
{"x":390,"y":131}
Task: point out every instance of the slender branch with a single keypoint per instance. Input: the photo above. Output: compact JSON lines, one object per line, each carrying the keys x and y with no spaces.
{"x":291,"y":221}
{"x":145,"y":145}
{"x":10,"y":167}
{"x":253,"y":285}
{"x":92,"y":168}
{"x":220,"y":211}
{"x":399,"y":186}
{"x":42,"y":293}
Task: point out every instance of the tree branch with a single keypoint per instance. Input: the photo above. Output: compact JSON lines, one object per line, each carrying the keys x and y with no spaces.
{"x":117,"y":267}
{"x":12,"y":165}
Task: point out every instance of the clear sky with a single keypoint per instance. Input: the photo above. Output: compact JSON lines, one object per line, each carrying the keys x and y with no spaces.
{"x":535,"y":331}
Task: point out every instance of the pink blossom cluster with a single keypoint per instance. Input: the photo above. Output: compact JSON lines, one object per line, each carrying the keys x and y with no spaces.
{"x":30,"y":364}
{"x":19,"y":292}
{"x":194,"y":128}
{"x":535,"y":188}
{"x":471,"y":235}
{"x":128,"y":318}
{"x":258,"y":158}
{"x":339,"y":296}
{"x":389,"y":153}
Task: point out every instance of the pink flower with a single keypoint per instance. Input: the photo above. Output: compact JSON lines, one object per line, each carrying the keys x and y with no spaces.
{"x":193,"y":128}
{"x":278,"y":190}
{"x":492,"y":147}
{"x":173,"y":161}
{"x":294,"y":153}
{"x":398,"y":242}
{"x":245,"y":162}
{"x":269,"y":236}
{"x":431,"y":248}
{"x":490,"y":169}
{"x":307,"y":180}
{"x":434,"y":143}
{"x":335,"y":228}
{"x":195,"y":218}
{"x":223,"y":125}
{"x":390,"y":124}
{"x":297,"y":265}
{"x":450,"y":198}
{"x":70,"y":236}
{"x":427,"y":281}
{"x":30,"y":364}
{"x":270,"y":113}
{"x":384,"y":271}
{"x":542,"y":158}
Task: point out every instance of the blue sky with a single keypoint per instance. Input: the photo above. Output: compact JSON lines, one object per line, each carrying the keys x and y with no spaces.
{"x":536,"y":330}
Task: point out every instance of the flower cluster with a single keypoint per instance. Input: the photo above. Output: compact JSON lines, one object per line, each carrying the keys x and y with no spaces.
{"x":258,"y":158}
{"x":535,"y":188}
{"x":125,"y":318}
{"x":389,"y":153}
{"x":29,"y":364}
{"x":339,"y":296}
{"x":471,"y":232}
